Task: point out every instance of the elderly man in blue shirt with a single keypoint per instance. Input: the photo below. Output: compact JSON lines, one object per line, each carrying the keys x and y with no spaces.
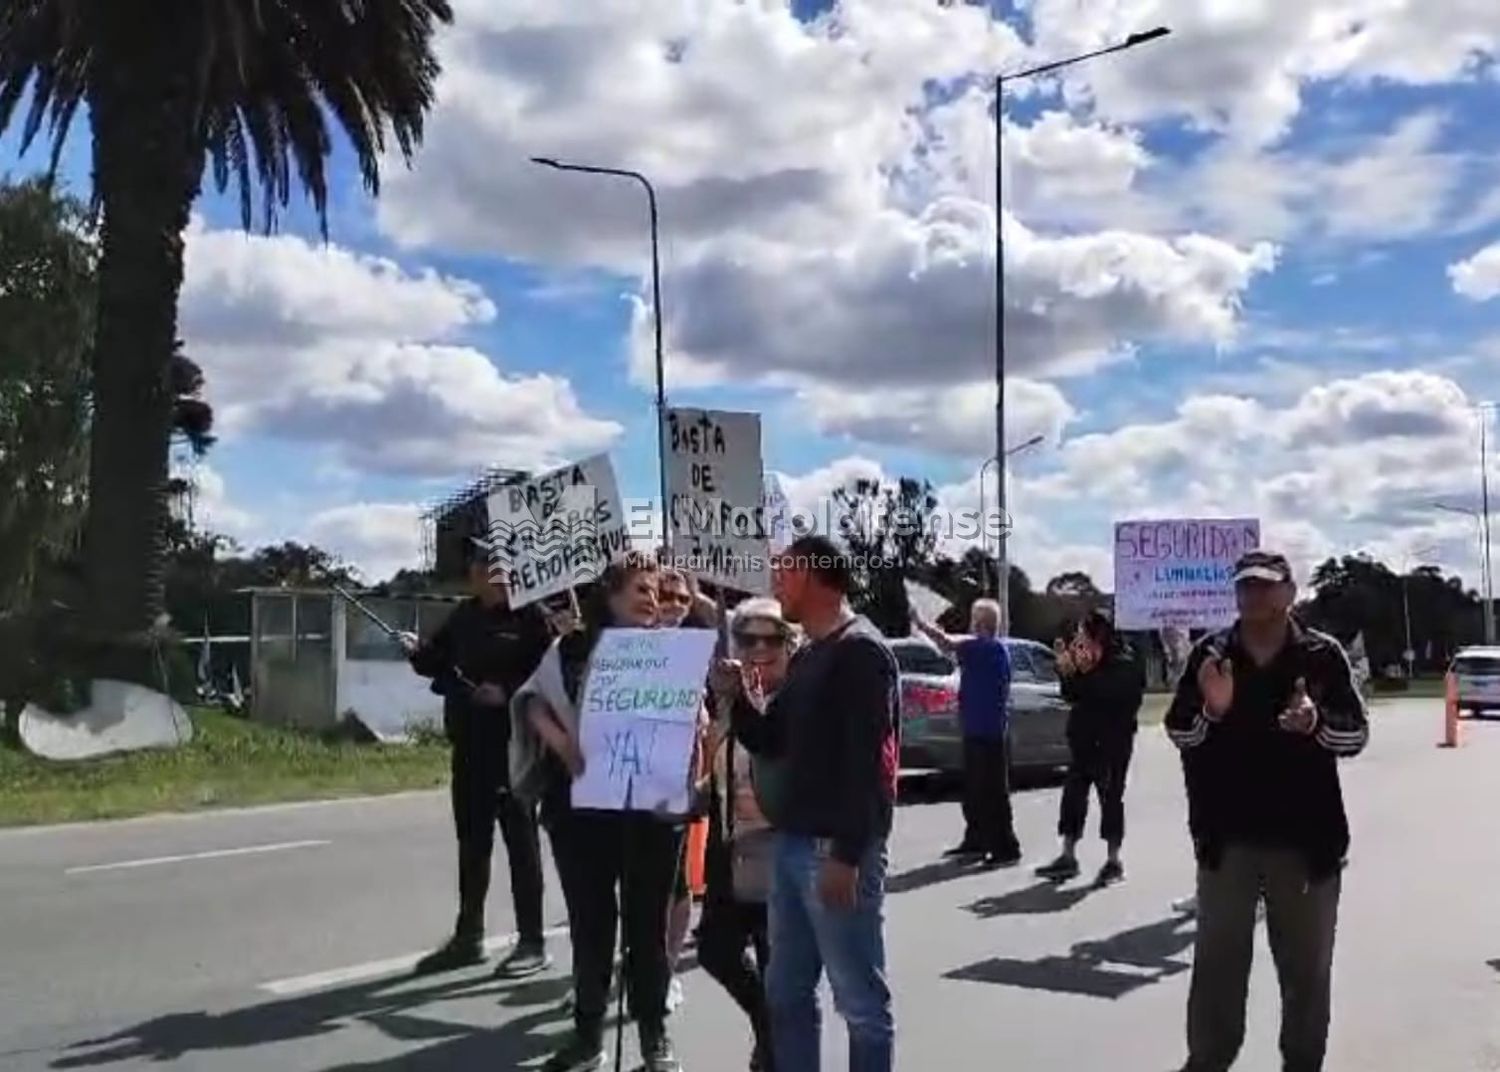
{"x":983,"y":706}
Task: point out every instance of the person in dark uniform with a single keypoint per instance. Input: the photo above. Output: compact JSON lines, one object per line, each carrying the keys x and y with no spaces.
{"x":476,"y":660}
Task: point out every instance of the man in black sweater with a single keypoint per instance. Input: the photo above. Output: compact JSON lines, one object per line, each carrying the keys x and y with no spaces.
{"x":1262,"y":714}
{"x":832,"y":732}
{"x":476,"y":660}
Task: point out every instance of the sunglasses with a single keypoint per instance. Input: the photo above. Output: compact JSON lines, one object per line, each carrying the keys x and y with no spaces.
{"x":759,"y":640}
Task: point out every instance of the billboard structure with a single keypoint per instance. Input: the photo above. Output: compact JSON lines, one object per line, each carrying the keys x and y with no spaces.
{"x":451,"y":521}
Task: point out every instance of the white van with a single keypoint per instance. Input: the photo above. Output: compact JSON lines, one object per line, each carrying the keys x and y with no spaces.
{"x":1478,"y":674}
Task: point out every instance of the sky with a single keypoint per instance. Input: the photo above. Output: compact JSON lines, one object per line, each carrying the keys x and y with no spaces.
{"x":1253,"y":270}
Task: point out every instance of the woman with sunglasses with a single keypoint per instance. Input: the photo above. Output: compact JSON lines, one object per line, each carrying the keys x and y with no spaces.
{"x":738,"y":865}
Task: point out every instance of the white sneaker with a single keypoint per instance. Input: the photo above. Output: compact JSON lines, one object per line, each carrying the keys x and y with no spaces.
{"x":675,"y":995}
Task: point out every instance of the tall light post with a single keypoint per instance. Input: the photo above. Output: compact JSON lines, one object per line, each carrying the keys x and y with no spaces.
{"x":1484,"y":506}
{"x":1410,"y":655}
{"x":1002,"y":588}
{"x":999,"y":460}
{"x":661,"y":372}
{"x":1486,"y":582}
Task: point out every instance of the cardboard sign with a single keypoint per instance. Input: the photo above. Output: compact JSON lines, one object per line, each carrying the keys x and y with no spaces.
{"x":717,"y":492}
{"x":638,"y":719}
{"x":557,"y":530}
{"x":1179,"y":573}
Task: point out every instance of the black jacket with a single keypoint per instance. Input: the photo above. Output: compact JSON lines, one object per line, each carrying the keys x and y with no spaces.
{"x":834,"y":724}
{"x":487,"y":646}
{"x":1106,"y":701}
{"x":1248,"y":780}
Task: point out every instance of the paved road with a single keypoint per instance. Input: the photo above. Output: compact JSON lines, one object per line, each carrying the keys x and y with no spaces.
{"x":265,"y":939}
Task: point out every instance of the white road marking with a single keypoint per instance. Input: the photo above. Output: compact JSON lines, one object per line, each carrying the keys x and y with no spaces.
{"x":214,"y":854}
{"x":303,"y":984}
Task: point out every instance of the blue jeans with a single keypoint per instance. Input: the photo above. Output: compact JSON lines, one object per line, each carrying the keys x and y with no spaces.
{"x":807,"y":937}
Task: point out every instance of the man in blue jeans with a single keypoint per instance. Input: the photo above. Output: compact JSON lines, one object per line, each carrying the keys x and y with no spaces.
{"x":831,"y":732}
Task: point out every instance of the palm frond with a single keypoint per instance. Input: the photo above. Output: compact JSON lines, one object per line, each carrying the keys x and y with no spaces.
{"x":273,"y":78}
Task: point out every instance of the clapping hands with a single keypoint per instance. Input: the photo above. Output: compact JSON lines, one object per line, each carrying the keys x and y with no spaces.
{"x":1216,"y":683}
{"x":1301,"y":714}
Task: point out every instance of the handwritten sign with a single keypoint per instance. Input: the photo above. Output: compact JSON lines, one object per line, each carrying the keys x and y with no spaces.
{"x":927,"y":603}
{"x":778,"y":514}
{"x":1179,"y":573}
{"x":557,"y":530}
{"x":718,"y":510}
{"x":638,"y":719}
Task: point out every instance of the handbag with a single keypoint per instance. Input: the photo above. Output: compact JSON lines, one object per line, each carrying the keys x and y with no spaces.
{"x":750,"y":861}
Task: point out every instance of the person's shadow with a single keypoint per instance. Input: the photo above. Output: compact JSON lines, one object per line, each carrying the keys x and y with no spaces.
{"x":389,"y":1005}
{"x":1153,"y":951}
{"x":1040,"y":899}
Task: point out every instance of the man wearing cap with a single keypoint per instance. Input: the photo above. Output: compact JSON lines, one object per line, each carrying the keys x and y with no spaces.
{"x":1262,"y":714}
{"x":476,"y":659}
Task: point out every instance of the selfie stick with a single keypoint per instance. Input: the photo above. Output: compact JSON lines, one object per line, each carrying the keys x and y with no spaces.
{"x":394,"y":634}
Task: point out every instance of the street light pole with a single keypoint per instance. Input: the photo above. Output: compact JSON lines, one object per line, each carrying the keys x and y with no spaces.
{"x":1484,"y":507}
{"x":1002,"y":581}
{"x":661,"y":370}
{"x":998,"y":460}
{"x":1485,"y":578}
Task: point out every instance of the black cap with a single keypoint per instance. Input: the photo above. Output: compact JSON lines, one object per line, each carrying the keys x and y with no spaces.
{"x":1268,"y":567}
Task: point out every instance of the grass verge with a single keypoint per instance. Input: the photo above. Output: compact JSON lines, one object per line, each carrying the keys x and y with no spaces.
{"x":231,"y":762}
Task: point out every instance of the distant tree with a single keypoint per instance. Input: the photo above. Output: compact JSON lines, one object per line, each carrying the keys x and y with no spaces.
{"x":47,"y":261}
{"x":1074,"y":584}
{"x":890,"y":532}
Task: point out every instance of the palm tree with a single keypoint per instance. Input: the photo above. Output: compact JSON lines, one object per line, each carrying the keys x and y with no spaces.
{"x":245,"y":89}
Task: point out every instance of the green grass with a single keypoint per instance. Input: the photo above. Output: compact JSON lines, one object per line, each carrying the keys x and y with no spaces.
{"x":230,"y":762}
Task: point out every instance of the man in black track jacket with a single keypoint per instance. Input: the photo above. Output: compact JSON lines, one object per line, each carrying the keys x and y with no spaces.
{"x":1262,"y":714}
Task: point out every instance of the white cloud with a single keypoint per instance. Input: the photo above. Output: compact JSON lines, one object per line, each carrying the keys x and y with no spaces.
{"x":952,"y":420}
{"x":1478,"y":277}
{"x":355,"y":354}
{"x":377,"y":538}
{"x":1242,"y":68}
{"x":907,"y":300}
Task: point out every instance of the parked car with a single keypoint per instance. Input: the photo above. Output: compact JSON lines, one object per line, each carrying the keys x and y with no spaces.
{"x":931,"y":737}
{"x":1478,"y":674}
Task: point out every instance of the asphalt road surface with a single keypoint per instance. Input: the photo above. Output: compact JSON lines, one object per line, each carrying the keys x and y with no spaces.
{"x":278,"y":938}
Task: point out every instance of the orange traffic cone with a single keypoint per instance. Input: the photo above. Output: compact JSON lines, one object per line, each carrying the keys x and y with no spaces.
{"x":1450,"y":712}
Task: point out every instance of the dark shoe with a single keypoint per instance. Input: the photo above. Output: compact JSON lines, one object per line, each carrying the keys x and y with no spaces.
{"x":657,"y":1054}
{"x":963,"y":852}
{"x":1113,"y":871}
{"x":460,"y":952}
{"x":524,"y":962}
{"x":1009,"y":858}
{"x":1062,"y":869}
{"x":579,"y":1054}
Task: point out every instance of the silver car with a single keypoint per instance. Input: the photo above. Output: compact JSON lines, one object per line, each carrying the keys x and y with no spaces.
{"x":931,"y":737}
{"x":1478,"y":674}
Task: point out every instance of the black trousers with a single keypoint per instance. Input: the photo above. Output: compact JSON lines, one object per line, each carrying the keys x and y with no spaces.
{"x":989,"y":825}
{"x":482,"y":799}
{"x":598,"y":853}
{"x":1098,"y":765}
{"x":729,"y":933}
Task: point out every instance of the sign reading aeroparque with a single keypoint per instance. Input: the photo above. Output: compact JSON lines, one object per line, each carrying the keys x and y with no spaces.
{"x":1179,"y":572}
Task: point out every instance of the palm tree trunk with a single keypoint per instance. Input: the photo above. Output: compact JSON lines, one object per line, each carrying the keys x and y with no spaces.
{"x":147,"y":171}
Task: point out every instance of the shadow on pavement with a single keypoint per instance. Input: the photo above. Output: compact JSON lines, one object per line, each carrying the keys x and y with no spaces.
{"x":934,"y":874}
{"x":1110,"y":968}
{"x":1044,"y":898}
{"x":389,"y":1005}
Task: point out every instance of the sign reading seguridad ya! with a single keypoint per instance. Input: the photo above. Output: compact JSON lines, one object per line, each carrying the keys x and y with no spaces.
{"x":1179,"y":573}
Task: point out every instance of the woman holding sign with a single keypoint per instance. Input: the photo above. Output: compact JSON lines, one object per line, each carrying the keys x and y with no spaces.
{"x":734,"y":919}
{"x":598,"y":852}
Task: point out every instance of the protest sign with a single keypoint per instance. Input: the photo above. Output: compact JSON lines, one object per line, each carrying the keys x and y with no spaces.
{"x":557,"y":530}
{"x":718,"y":497}
{"x":638,"y":719}
{"x":1179,"y":572}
